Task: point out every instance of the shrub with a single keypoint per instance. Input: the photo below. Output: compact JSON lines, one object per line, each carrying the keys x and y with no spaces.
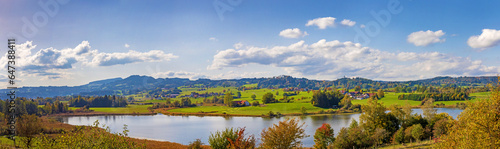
{"x":255,"y":103}
{"x":241,"y":142}
{"x":27,"y":127}
{"x":195,"y":144}
{"x":90,"y":137}
{"x":219,"y":139}
{"x":303,"y":110}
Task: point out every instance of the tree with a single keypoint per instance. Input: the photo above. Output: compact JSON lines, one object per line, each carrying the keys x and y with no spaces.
{"x":417,"y":132}
{"x":285,"y":135}
{"x":255,"y":103}
{"x":399,"y":136}
{"x":357,"y":88}
{"x":241,"y":142}
{"x":345,"y":102}
{"x":374,"y":116}
{"x":324,"y":136}
{"x":478,"y":126}
{"x":253,"y":96}
{"x":380,"y":93}
{"x":186,"y":102}
{"x":268,"y":98}
{"x":27,"y":127}
{"x":238,"y":94}
{"x":428,"y":109}
{"x":228,"y":99}
{"x":303,"y":110}
{"x":379,"y":136}
{"x":441,"y":127}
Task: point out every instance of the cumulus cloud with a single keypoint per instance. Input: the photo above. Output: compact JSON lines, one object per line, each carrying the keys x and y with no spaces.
{"x":292,"y":33}
{"x":109,"y":59}
{"x":348,"y":22}
{"x":238,"y":45}
{"x":337,"y":59}
{"x":322,"y":23}
{"x":127,"y":46}
{"x":489,"y":38}
{"x":179,"y":74}
{"x":50,"y":61}
{"x":425,"y":38}
{"x":213,"y":39}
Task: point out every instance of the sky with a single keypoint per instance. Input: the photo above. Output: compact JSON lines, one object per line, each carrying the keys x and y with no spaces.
{"x":73,"y":42}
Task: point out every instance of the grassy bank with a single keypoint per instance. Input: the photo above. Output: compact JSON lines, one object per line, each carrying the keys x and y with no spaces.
{"x":130,"y":109}
{"x":55,"y":128}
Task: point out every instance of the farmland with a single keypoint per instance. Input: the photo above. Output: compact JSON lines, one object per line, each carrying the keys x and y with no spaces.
{"x":302,"y":99}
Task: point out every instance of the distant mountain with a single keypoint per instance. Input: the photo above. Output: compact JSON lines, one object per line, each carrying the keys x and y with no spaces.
{"x":135,"y":84}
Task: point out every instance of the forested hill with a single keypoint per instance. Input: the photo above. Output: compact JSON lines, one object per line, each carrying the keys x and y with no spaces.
{"x":135,"y":84}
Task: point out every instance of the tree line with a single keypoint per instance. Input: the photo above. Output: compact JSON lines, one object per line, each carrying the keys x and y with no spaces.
{"x":435,"y":96}
{"x":98,"y":101}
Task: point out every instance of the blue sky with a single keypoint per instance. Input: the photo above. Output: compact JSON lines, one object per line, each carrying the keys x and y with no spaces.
{"x":75,"y":42}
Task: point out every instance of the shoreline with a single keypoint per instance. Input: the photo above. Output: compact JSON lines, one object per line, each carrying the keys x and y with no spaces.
{"x":166,"y":112}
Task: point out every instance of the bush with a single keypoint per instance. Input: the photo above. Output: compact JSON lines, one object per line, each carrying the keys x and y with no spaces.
{"x":303,"y":110}
{"x":240,"y":142}
{"x":417,"y":132}
{"x":271,"y":114}
{"x":399,"y":136}
{"x":27,"y":127}
{"x":255,"y":103}
{"x":219,"y":139}
{"x":90,"y":137}
{"x":286,"y":134}
{"x":195,"y":144}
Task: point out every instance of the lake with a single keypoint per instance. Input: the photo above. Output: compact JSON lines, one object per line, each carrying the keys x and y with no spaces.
{"x":185,"y":129}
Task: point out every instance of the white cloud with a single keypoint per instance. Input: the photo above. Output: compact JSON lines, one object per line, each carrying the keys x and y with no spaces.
{"x":292,"y":33}
{"x":362,"y":26}
{"x":196,"y":76}
{"x":348,"y":22}
{"x":322,"y":23}
{"x":424,"y":38}
{"x":179,"y":74}
{"x":213,"y":39}
{"x":334,"y":59}
{"x":238,"y":45}
{"x":52,"y":62}
{"x":489,"y":38}
{"x":127,"y":46}
{"x":109,"y":59}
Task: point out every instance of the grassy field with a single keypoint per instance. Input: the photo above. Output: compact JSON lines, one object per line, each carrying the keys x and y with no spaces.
{"x":392,"y":99}
{"x":302,"y":99}
{"x":245,"y":95}
{"x":128,"y":109}
{"x":284,"y":108}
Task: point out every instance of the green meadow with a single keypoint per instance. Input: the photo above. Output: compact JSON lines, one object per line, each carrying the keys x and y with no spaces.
{"x":302,"y":99}
{"x":129,"y":109}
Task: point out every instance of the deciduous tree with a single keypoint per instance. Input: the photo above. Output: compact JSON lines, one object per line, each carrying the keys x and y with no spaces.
{"x":284,"y":135}
{"x":324,"y":136}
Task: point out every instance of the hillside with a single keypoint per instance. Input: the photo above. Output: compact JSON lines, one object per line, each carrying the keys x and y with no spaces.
{"x":134,"y":84}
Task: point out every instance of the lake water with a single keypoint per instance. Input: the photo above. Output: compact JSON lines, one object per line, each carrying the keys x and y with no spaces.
{"x":185,"y":129}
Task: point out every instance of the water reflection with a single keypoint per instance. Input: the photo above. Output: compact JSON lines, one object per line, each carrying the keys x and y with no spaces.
{"x":185,"y":129}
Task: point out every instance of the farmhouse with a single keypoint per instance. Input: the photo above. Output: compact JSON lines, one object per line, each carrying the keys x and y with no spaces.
{"x":242,"y":103}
